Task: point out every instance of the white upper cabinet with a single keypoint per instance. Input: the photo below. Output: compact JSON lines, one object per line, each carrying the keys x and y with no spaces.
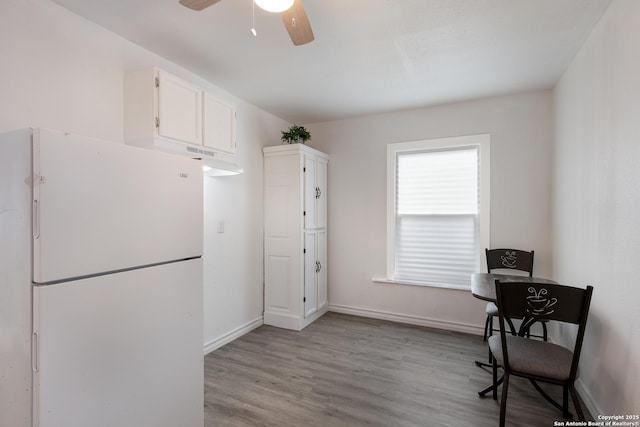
{"x":219,"y":124}
{"x":159,"y":104}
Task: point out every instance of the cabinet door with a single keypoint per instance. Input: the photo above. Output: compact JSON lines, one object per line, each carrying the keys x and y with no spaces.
{"x":315,"y":192}
{"x":179,"y":109}
{"x":321,"y":277}
{"x":282,"y":237}
{"x":219,"y":124}
{"x":310,"y":267}
{"x":309,"y":192}
{"x":321,"y":197}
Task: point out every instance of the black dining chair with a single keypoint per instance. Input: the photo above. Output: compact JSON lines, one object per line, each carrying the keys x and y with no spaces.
{"x":506,"y":261}
{"x":539,"y":361}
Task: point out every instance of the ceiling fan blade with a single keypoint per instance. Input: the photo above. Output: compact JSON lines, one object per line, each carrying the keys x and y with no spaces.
{"x":297,"y":24}
{"x":198,"y":4}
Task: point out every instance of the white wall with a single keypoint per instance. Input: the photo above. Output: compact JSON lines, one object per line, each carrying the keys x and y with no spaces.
{"x":234,"y":259}
{"x":597,"y":203}
{"x":521,"y":130}
{"x":61,"y":71}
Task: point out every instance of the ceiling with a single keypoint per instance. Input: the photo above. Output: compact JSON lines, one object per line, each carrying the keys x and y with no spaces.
{"x":369,"y":56}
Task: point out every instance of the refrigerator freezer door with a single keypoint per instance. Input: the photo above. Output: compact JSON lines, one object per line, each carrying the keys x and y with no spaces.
{"x":121,"y":350}
{"x":103,"y":206}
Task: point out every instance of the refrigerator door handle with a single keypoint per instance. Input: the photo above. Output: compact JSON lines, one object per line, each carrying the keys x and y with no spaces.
{"x":36,"y":220}
{"x":34,"y":352}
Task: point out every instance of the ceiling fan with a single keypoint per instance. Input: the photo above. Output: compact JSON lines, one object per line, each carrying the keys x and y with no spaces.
{"x":294,"y":17}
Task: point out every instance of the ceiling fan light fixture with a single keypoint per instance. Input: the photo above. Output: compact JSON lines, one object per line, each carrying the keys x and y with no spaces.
{"x":274,"y":5}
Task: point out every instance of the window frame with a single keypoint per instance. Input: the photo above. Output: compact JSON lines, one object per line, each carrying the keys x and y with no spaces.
{"x":482,"y":142}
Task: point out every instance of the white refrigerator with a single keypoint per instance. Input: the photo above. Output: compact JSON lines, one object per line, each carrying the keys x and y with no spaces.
{"x":100,"y":284}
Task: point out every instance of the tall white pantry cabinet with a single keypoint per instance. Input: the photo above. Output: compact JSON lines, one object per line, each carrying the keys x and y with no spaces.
{"x":295,"y":232}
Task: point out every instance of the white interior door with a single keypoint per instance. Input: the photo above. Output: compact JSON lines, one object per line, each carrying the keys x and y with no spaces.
{"x":102,"y":206}
{"x":121,"y":350}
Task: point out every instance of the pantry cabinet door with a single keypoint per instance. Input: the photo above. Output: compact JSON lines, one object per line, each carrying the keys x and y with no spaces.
{"x":310,"y":192}
{"x":321,"y":196}
{"x":310,"y":273}
{"x":321,"y":276}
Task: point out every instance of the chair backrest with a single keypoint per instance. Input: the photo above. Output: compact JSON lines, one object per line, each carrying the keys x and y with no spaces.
{"x":534,"y":302}
{"x":510,"y":259}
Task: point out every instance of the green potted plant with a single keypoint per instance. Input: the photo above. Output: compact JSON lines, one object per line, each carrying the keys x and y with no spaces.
{"x":295,"y":135}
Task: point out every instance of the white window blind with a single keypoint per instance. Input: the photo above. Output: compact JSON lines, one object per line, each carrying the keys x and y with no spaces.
{"x":437,"y":210}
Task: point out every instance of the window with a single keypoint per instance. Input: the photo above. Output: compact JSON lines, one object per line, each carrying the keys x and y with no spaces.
{"x":437,"y":210}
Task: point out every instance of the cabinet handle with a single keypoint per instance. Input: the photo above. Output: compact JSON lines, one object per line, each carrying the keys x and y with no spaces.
{"x":318,"y":192}
{"x":318,"y":266}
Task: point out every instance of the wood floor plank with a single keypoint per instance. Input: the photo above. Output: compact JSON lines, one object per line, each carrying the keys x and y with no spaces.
{"x":351,"y":371}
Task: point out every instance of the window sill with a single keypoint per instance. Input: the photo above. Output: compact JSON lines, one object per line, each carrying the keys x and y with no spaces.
{"x":421,"y":284}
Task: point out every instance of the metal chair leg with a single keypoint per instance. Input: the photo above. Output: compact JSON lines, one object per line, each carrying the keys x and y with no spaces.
{"x":486,"y":328}
{"x":503,"y":402}
{"x":576,"y":402}
{"x":490,"y":325}
{"x":565,"y":402}
{"x":495,"y":379}
{"x":490,"y":318}
{"x":482,"y":393}
{"x":564,"y":408}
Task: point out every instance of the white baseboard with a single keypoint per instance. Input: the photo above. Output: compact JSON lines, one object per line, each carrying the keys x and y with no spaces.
{"x":232,"y":335}
{"x":412,"y":320}
{"x":279,"y":320}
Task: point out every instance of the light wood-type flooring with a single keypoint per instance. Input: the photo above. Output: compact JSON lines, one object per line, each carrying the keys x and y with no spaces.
{"x":352,"y":371}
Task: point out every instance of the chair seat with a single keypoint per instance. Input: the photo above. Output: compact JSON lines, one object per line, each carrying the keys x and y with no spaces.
{"x":492,"y":309}
{"x":533,"y":357}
